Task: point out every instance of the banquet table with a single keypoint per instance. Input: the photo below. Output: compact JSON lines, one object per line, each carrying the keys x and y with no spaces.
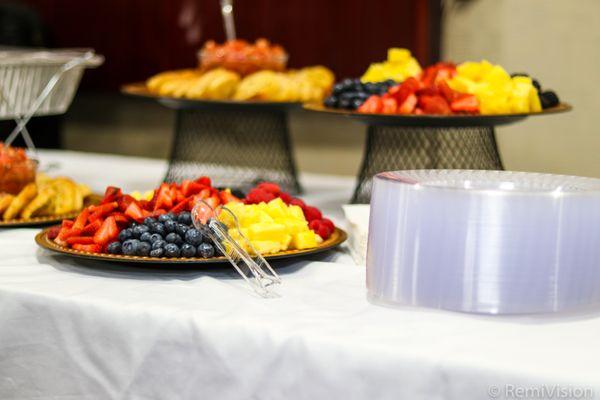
{"x":71,"y":329}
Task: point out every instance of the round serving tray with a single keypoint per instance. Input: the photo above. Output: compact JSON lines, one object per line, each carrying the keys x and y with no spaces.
{"x":140,"y":90}
{"x":456,"y":120}
{"x":47,"y":220}
{"x":337,"y":238}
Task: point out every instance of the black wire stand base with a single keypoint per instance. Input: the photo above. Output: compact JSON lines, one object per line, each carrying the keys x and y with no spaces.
{"x":236,"y":146}
{"x":391,"y":148}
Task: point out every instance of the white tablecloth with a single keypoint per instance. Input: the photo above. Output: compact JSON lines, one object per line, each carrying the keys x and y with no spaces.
{"x":88,"y":330}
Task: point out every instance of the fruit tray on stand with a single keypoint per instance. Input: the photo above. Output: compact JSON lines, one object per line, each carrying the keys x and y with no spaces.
{"x":405,"y":142}
{"x":238,"y":143}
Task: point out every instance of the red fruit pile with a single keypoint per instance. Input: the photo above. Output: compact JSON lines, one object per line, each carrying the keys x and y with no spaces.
{"x":427,"y":94}
{"x":268,"y":191}
{"x":98,"y":225}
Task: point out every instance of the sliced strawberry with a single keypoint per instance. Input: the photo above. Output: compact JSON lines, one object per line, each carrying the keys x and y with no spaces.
{"x":403,"y":91}
{"x":227,"y":197}
{"x":213,"y":201}
{"x":81,"y":219}
{"x":52,"y":233}
{"x":409,"y":104}
{"x":269,"y":187}
{"x":434,"y":105}
{"x":107,"y":232}
{"x":124,"y":201}
{"x":102,"y":210}
{"x":80,"y":240}
{"x":135,"y":212}
{"x":446,"y":91}
{"x":204,"y":180}
{"x":111,"y":194}
{"x":120,"y":219}
{"x":312,"y":213}
{"x":90,"y":248}
{"x":164,"y":198}
{"x":181,"y":206}
{"x":390,"y":106}
{"x":92,"y":227}
{"x":372,"y":105}
{"x":189,"y":188}
{"x":466,"y":103}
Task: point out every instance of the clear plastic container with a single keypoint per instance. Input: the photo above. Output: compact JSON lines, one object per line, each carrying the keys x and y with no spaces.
{"x":484,"y":241}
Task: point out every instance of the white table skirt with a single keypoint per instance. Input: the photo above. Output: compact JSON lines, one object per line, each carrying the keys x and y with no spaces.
{"x":89,"y":330}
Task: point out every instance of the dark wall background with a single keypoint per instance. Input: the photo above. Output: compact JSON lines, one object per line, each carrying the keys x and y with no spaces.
{"x":142,"y":37}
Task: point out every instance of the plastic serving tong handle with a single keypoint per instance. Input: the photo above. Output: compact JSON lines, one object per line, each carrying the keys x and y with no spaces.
{"x":255,"y":270}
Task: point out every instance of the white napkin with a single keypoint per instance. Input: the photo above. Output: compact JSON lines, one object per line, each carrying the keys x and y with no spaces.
{"x":358,"y":224}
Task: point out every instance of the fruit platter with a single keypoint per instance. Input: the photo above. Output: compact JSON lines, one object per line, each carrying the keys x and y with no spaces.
{"x":157,"y":227}
{"x":238,"y":72}
{"x":29,"y":198}
{"x":470,"y":93}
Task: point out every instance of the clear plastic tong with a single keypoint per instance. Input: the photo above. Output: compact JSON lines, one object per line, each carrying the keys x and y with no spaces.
{"x":255,"y":270}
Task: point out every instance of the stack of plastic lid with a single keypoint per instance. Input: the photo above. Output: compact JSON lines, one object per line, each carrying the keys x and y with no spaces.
{"x":484,"y":241}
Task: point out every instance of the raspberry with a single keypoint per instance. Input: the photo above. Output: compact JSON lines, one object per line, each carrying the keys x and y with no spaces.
{"x":256,"y":196}
{"x":269,"y":187}
{"x":328,"y":223}
{"x":297,"y":202}
{"x":311,"y":213}
{"x":285,"y":197}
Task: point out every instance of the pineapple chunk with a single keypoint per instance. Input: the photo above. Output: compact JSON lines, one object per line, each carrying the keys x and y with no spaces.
{"x":269,"y":231}
{"x":266,"y":246}
{"x":304,"y":240}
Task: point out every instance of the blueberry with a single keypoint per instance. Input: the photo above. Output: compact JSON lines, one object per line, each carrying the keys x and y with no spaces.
{"x":125,"y":234}
{"x":129,"y":247}
{"x":371,"y":88}
{"x":347,"y":84}
{"x":344,"y":103}
{"x":172,"y":250}
{"x":206,"y":250}
{"x":193,"y":237}
{"x":170,"y":226}
{"x":390,"y":82}
{"x":146,"y":237}
{"x":356,"y":103}
{"x":138,"y":230}
{"x":185,"y":218}
{"x":143,"y":249}
{"x":174,"y":238}
{"x":331,"y":102}
{"x":164,"y":218}
{"x":149,"y":221}
{"x":159,"y":244}
{"x":114,"y":248}
{"x":348,"y":95}
{"x":158,"y":228}
{"x":337,"y":88}
{"x":155,"y":237}
{"x":157,"y":252}
{"x":187,"y":250}
{"x":181,"y":229}
{"x":549,"y":99}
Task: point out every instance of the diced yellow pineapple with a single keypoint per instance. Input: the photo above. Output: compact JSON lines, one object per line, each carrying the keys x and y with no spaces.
{"x":276,"y":208}
{"x":397,"y":55}
{"x":296,"y":212}
{"x":304,"y":240}
{"x":266,"y":246}
{"x":268,"y":231}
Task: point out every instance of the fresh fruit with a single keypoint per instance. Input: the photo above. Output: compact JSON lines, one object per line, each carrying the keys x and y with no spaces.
{"x":172,"y":250}
{"x":400,"y":64}
{"x":114,"y":248}
{"x":107,"y":232}
{"x":352,"y":93}
{"x":205,"y":250}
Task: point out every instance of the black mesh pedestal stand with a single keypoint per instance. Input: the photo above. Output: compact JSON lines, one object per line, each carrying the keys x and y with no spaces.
{"x":237,"y":146}
{"x":390,"y":148}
